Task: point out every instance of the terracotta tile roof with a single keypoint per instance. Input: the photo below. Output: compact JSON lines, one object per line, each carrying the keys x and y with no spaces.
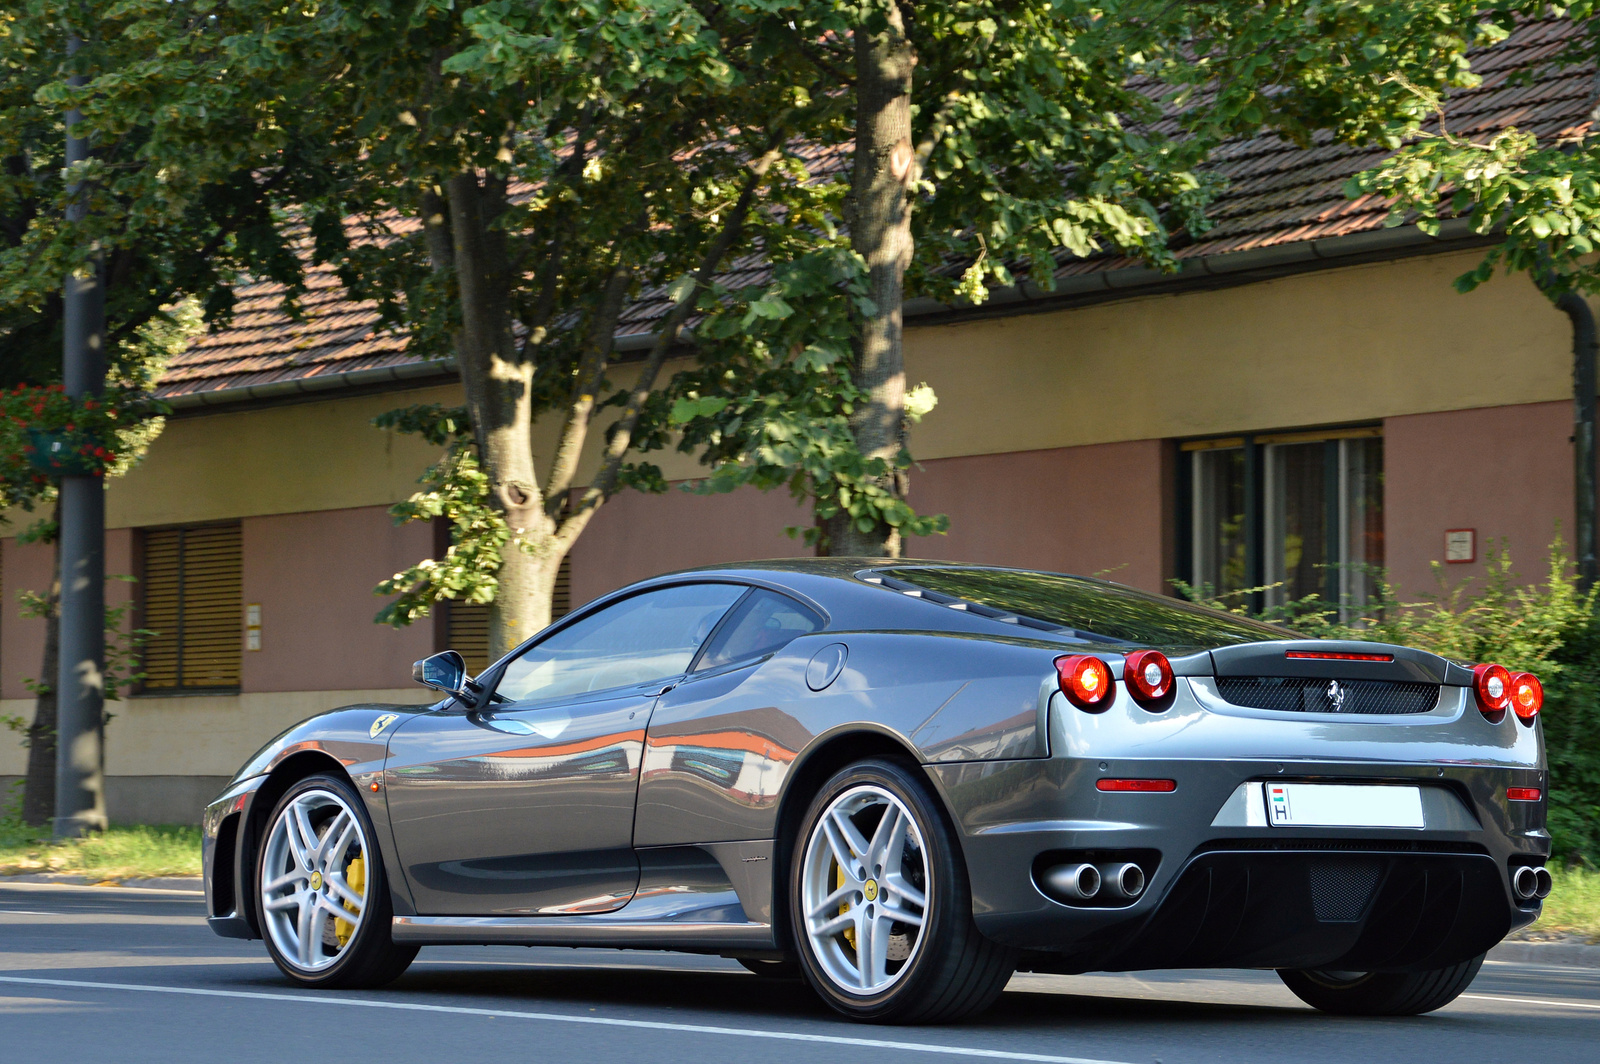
{"x":1277,"y":194}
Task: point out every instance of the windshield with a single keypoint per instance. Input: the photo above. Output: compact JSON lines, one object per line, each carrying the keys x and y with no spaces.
{"x":1091,"y":609}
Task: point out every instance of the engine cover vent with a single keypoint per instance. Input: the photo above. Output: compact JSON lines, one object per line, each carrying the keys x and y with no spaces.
{"x":1296,"y":694}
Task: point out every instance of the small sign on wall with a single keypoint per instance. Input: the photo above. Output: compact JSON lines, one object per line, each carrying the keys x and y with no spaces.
{"x":1460,"y":545}
{"x":252,"y":626}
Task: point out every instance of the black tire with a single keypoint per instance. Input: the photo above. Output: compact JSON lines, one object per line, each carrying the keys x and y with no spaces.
{"x":371,"y":958}
{"x":787,"y":968}
{"x":953,"y":971}
{"x":1381,"y":993}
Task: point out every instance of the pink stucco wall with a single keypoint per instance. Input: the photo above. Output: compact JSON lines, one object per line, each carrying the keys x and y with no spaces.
{"x":635,"y":536}
{"x":313,"y":574}
{"x":27,"y":568}
{"x":1103,"y":508}
{"x":1505,"y":471}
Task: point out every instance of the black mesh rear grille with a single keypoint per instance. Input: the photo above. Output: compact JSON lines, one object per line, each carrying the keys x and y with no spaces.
{"x":1297,"y":694}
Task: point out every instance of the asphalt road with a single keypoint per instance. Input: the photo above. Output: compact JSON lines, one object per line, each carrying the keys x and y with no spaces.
{"x":117,"y":975}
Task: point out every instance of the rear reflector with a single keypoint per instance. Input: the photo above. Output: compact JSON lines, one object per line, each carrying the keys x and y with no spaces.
{"x":1160,"y":786}
{"x":1329,"y":655}
{"x":1524,"y":794}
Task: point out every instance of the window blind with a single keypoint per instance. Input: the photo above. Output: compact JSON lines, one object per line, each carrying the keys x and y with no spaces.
{"x":192,"y":591}
{"x":467,"y":625}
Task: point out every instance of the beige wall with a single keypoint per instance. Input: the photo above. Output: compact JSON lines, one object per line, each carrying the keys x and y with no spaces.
{"x":199,"y":735}
{"x":1353,"y":344}
{"x":1505,"y":471}
{"x":313,"y":575}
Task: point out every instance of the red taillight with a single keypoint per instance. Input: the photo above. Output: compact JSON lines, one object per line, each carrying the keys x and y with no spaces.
{"x":1148,"y":675}
{"x":1330,"y":655}
{"x":1527,"y":696}
{"x":1523,"y":794}
{"x":1492,"y":686}
{"x":1145,"y":786}
{"x":1085,"y":680}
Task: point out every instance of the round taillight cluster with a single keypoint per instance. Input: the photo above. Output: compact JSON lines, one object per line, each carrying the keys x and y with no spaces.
{"x":1527,"y":696}
{"x":1491,"y":684}
{"x":1085,"y":680}
{"x":1148,"y":675}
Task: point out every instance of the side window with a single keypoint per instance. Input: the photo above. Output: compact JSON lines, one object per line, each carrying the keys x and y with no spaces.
{"x":763,"y":623}
{"x":647,"y":637}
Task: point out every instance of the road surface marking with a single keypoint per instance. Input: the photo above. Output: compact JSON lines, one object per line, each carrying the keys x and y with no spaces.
{"x":1536,"y":1001}
{"x":554,"y":1017}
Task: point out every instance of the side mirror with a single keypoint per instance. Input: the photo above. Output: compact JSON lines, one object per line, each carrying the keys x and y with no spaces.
{"x":445,"y":672}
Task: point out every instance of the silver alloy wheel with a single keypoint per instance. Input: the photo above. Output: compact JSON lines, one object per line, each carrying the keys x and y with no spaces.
{"x":865,"y":885}
{"x":304,"y":884}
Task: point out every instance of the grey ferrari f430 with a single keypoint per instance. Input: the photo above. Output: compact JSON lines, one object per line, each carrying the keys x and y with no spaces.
{"x":903,"y":781}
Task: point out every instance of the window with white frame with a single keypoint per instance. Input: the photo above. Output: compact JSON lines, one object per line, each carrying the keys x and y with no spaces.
{"x":1297,"y":513}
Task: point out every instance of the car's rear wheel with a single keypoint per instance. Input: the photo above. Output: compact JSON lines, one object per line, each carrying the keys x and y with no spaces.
{"x":1381,"y":993}
{"x":881,"y":907}
{"x":325,"y":909}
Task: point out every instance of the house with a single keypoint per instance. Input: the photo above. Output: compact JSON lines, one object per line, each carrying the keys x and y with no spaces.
{"x":1309,"y":390}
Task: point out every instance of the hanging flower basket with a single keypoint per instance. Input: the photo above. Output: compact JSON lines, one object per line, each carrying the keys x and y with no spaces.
{"x":65,"y":454}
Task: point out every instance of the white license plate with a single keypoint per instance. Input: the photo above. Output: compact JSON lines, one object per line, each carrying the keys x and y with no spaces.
{"x":1342,"y":805}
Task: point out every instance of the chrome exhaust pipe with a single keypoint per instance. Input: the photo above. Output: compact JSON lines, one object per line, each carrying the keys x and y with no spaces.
{"x":1544,"y":883}
{"x":1077,"y":881}
{"x":1525,"y":882}
{"x":1125,"y":880}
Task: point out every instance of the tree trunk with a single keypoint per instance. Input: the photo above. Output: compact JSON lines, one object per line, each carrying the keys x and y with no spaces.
{"x":498,"y":386}
{"x":39,"y":790}
{"x":880,"y":230}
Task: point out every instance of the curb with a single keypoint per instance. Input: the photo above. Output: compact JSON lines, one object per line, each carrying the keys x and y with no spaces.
{"x":1570,"y":952}
{"x":185,"y":884}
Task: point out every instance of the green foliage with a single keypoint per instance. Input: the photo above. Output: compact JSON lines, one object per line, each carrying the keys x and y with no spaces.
{"x":1574,"y":904}
{"x":130,"y":852}
{"x":1548,"y":628}
{"x":1541,"y":199}
{"x":454,"y":488}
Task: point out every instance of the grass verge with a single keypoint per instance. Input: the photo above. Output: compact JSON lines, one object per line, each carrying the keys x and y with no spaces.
{"x":1573,"y":907}
{"x":128,"y":852}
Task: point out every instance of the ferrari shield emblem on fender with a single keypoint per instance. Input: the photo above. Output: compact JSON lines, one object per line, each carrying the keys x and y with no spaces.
{"x":382,"y":723}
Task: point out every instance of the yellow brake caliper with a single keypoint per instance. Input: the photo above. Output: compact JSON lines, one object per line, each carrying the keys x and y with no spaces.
{"x":844,"y":907}
{"x":355,"y":874}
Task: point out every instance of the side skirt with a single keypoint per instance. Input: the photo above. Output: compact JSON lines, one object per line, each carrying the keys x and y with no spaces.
{"x":579,"y":931}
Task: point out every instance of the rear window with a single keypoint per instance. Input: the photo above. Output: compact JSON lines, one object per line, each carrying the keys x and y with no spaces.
{"x":1089,"y":609}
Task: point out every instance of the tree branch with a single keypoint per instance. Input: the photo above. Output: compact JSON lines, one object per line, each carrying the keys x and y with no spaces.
{"x":605,"y":481}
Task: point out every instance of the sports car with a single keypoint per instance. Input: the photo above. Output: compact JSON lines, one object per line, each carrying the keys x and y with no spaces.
{"x":902,"y":781}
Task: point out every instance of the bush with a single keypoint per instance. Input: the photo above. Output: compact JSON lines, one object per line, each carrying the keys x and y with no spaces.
{"x":1548,"y":628}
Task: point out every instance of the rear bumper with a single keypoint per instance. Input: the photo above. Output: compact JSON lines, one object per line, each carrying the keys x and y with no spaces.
{"x":1222,"y":894}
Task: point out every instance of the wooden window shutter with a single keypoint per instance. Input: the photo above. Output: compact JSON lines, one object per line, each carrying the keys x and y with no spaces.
{"x":192,"y":590}
{"x":468,"y":624}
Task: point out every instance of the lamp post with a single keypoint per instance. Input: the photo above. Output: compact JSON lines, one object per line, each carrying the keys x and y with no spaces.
{"x":80,"y":689}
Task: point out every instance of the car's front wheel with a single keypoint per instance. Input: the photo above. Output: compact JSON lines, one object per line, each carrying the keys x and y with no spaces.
{"x":325,"y":909}
{"x":881,"y":907}
{"x":1381,"y":993}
